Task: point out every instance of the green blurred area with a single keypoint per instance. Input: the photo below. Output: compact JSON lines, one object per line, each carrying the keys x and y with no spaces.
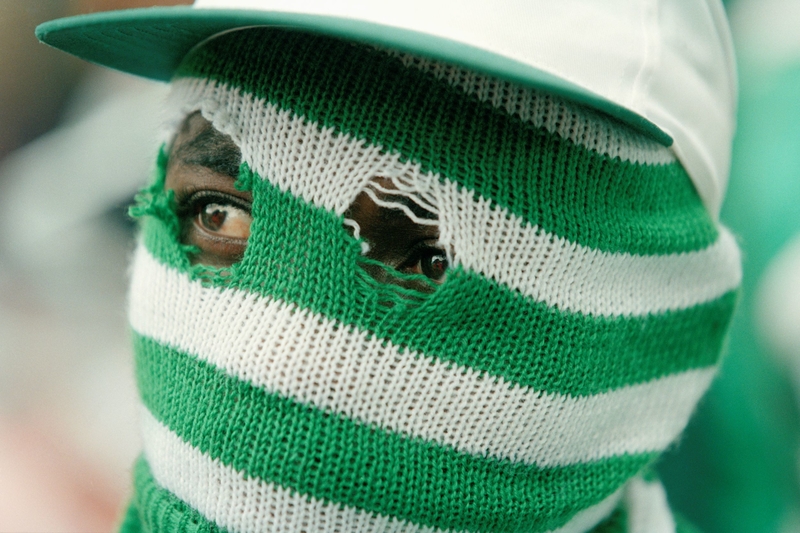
{"x":736,"y":469}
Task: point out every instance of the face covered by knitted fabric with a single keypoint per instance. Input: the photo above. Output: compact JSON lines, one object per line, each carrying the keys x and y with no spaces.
{"x":580,"y":319}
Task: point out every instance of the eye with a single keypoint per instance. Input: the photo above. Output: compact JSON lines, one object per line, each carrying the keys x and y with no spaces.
{"x":224,"y":220}
{"x":434,"y":265}
{"x":218,"y":224}
{"x":429,"y":261}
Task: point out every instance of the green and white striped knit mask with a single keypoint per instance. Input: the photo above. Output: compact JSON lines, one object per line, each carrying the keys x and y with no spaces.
{"x":579,"y":323}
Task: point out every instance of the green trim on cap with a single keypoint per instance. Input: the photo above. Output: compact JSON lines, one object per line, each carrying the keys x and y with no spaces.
{"x":151,"y":42}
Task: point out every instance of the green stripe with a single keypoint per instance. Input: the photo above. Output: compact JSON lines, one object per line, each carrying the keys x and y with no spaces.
{"x":568,"y":190}
{"x":616,"y":523}
{"x":684,"y":526}
{"x":303,"y":255}
{"x":131,"y":522}
{"x":333,"y":458}
{"x":160,"y":225}
{"x":154,"y":509}
{"x":168,"y":513}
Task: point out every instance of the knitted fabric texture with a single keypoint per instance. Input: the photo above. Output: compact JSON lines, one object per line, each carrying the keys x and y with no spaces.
{"x":580,"y":321}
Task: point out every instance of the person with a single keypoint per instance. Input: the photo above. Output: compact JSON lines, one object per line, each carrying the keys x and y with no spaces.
{"x":424,"y":267}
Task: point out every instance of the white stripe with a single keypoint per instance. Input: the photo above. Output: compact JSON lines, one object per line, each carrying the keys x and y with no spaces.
{"x":329,"y":170}
{"x":250,"y":505}
{"x":648,"y":510}
{"x":315,"y":360}
{"x":576,"y":278}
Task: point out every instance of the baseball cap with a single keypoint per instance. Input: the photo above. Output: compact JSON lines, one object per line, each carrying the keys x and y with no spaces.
{"x":664,"y":67}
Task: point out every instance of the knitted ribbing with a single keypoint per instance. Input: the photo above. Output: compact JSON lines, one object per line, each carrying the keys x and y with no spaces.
{"x":580,"y":322}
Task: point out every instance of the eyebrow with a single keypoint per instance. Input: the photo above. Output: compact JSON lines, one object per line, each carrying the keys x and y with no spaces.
{"x":213,"y":150}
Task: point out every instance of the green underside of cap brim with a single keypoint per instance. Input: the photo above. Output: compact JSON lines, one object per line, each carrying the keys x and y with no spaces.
{"x":151,"y":42}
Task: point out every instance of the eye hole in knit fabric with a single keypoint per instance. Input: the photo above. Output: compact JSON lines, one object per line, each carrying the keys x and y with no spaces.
{"x":399,"y":228}
{"x":212,"y":209}
{"x":396,"y":221}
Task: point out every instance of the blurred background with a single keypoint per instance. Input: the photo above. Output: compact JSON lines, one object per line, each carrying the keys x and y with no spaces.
{"x":77,"y":141}
{"x":736,"y":468}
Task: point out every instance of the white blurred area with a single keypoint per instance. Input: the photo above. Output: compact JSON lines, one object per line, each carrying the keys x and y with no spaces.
{"x":765,"y":33}
{"x":68,"y":431}
{"x":66,"y":380}
{"x":779,"y":306}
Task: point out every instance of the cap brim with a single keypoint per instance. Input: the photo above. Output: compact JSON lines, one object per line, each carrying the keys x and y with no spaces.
{"x":151,"y":42}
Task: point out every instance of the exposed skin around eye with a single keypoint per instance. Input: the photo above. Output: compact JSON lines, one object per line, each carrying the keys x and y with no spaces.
{"x":215,"y":216}
{"x":397,"y":241}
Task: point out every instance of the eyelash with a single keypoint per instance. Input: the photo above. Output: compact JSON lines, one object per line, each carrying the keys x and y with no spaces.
{"x":191,"y":204}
